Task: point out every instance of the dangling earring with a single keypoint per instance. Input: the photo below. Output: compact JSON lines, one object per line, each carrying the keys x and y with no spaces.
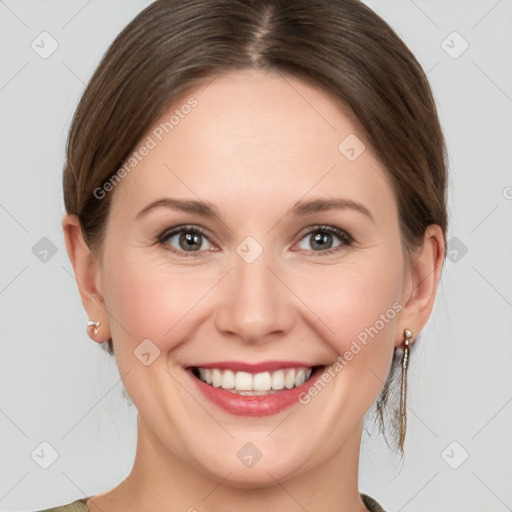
{"x":96,"y":326}
{"x":408,"y":341}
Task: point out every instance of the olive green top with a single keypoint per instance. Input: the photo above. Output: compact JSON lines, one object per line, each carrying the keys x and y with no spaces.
{"x":80,"y":506}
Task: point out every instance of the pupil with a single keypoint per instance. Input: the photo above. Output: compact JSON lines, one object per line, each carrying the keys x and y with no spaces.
{"x":320,"y":240}
{"x":190,"y":240}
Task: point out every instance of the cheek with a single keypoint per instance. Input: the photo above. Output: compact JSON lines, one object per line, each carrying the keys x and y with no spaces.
{"x":359,"y":307}
{"x":151,"y":299}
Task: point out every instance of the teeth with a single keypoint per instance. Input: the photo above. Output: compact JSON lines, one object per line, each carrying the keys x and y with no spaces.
{"x":289,"y":380}
{"x":278,"y":380}
{"x":245,"y":383}
{"x":205,"y":375}
{"x":300,"y":377}
{"x":216,"y":378}
{"x":228,"y":380}
{"x":262,"y":381}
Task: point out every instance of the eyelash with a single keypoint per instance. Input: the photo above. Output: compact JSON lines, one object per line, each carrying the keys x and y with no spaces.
{"x":340,"y":233}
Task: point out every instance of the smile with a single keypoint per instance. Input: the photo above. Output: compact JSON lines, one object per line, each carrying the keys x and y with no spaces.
{"x":248,"y":384}
{"x":253,"y":389}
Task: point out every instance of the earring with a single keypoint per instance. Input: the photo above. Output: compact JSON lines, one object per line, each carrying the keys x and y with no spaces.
{"x":96,"y":326}
{"x":408,"y":341}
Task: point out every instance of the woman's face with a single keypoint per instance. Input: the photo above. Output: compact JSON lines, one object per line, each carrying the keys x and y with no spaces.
{"x":257,"y":282}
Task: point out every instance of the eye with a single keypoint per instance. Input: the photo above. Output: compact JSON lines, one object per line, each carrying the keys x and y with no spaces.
{"x":322,"y":239}
{"x":192,"y":240}
{"x":185,"y":239}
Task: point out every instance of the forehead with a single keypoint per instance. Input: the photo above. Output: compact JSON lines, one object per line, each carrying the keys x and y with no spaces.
{"x":246,"y":133}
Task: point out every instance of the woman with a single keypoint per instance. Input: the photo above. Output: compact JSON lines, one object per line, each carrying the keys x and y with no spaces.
{"x":256,"y":218}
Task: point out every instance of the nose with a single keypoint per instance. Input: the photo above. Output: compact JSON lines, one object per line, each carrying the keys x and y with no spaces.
{"x":255,"y":306}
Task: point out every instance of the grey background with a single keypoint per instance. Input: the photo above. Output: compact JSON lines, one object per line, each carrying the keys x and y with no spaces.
{"x":58,"y":387}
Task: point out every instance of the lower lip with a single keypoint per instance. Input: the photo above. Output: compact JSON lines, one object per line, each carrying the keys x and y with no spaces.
{"x":263,"y":405}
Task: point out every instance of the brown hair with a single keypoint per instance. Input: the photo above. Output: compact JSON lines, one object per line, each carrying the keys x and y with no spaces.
{"x":340,"y":46}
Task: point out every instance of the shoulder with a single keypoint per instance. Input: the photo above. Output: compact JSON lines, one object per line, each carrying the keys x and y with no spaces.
{"x":75,"y":506}
{"x":80,"y":506}
{"x":371,"y":504}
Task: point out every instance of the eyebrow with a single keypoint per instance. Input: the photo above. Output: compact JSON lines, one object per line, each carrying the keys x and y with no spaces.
{"x":319,"y":205}
{"x":300,"y":208}
{"x":187,"y":205}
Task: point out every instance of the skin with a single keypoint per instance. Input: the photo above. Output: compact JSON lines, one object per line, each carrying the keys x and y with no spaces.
{"x":294,"y":302}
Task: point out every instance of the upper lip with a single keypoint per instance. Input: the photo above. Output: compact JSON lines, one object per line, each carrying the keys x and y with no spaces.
{"x":264,"y":366}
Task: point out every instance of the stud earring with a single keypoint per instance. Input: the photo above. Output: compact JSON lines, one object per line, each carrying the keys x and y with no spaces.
{"x":408,"y":341}
{"x":96,"y":326}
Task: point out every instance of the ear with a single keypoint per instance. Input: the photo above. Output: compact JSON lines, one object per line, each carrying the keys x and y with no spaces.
{"x":422,"y":279}
{"x":88,"y":276}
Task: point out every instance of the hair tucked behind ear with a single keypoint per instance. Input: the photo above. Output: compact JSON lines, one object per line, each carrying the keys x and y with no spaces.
{"x":339,"y":46}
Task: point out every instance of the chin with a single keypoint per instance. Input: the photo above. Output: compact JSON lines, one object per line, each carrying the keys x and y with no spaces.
{"x":260,"y":475}
{"x":247,"y":467}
